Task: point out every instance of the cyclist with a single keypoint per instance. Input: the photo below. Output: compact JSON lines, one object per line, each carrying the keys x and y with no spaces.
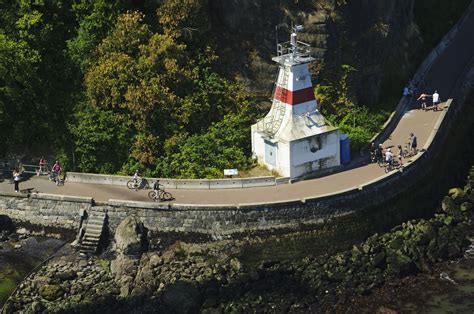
{"x":136,"y":176}
{"x":157,"y":188}
{"x":379,"y":153}
{"x":389,"y":157}
{"x":56,"y":171}
{"x":137,"y":181}
{"x":373,"y":152}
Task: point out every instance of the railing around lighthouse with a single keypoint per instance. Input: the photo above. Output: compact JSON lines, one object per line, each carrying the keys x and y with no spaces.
{"x":301,"y":50}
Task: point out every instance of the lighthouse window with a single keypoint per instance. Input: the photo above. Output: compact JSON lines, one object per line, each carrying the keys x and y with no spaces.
{"x":315,"y":144}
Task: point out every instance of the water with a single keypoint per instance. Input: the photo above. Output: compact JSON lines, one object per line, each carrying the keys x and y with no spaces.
{"x":425,"y":293}
{"x":15,"y":264}
{"x":458,"y":297}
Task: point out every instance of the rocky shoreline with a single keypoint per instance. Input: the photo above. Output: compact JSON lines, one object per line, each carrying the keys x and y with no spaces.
{"x":211,"y":277}
{"x":20,"y":252}
{"x":423,"y":293}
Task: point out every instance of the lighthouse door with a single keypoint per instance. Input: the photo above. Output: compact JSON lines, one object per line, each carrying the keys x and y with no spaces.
{"x":270,"y":153}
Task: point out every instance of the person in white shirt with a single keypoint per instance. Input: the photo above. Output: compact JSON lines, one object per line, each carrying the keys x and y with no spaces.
{"x":16,"y":179}
{"x":389,"y":156}
{"x":436,"y":100}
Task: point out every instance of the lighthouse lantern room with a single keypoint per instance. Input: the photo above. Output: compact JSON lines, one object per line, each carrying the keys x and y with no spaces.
{"x":294,"y":139}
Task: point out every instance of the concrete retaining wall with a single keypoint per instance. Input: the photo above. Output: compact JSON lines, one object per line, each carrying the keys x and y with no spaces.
{"x":202,"y":184}
{"x":198,"y":184}
{"x":258,"y":181}
{"x":93,"y":178}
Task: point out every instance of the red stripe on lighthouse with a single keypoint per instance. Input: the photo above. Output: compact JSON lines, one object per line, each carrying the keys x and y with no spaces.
{"x":294,"y":98}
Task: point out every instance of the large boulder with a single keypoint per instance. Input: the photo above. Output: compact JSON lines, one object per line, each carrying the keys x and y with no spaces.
{"x":448,"y":205}
{"x":6,"y":224}
{"x":129,"y":237}
{"x":51,"y":292}
{"x":123,"y":266}
{"x":458,"y":195}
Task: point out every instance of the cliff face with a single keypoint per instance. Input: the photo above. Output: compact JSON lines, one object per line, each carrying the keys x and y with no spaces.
{"x":375,"y":37}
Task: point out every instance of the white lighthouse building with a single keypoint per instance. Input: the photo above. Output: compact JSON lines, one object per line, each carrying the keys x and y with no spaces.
{"x":294,"y":139}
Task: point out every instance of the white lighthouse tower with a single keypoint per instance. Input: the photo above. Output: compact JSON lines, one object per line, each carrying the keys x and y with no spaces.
{"x":294,"y":139}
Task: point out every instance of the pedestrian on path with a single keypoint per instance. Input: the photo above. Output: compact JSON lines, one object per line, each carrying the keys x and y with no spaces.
{"x":423,"y":98}
{"x":400,"y":154}
{"x":413,"y":144}
{"x":42,"y":166}
{"x":436,"y":100}
{"x":16,"y":179}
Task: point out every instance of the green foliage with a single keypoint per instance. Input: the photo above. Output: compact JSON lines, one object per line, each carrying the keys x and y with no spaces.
{"x":335,"y":98}
{"x":361,"y":125}
{"x":95,"y":19}
{"x":101,"y":140}
{"x":184,"y":19}
{"x":224,"y":146}
{"x":35,"y":94}
{"x":170,"y":97}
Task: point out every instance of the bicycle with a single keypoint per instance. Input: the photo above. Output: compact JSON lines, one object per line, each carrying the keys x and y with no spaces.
{"x":135,"y":184}
{"x":56,"y":178}
{"x":373,"y":157}
{"x":381,"y":160}
{"x":394,"y":164}
{"x":160,"y":195}
{"x":406,"y":152}
{"x":389,"y":166}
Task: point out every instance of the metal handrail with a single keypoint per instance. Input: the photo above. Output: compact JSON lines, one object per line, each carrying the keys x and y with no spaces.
{"x":302,"y":49}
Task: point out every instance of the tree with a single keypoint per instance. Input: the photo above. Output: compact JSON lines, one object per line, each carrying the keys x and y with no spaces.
{"x":225,"y":145}
{"x":102,"y":139}
{"x":95,"y":20}
{"x":18,"y":65}
{"x":186,"y":20}
{"x":36,"y":82}
{"x":167,"y":93}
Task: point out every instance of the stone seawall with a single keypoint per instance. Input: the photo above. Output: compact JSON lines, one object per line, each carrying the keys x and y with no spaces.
{"x":45,"y":210}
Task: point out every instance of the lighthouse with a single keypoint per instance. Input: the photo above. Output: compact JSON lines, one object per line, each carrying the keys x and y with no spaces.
{"x":294,"y":139}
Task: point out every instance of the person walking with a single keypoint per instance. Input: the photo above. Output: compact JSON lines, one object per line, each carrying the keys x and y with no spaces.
{"x":400,"y":155}
{"x":16,"y":179}
{"x":423,"y":97}
{"x":373,"y":152}
{"x":413,"y":144}
{"x":42,"y":165}
{"x":436,"y":100}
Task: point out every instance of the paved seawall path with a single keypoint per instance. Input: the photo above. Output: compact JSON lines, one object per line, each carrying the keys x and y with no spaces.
{"x":441,"y":76}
